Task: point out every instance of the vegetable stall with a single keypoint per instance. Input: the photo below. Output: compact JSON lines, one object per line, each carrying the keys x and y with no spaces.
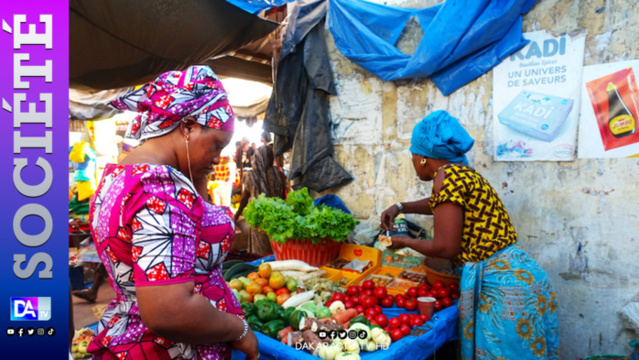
{"x":319,"y":297}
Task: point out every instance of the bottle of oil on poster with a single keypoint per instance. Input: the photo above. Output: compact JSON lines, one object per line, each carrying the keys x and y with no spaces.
{"x":620,"y":120}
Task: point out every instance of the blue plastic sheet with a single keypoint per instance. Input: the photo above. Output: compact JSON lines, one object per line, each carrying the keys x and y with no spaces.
{"x":442,"y":328}
{"x":462,"y":39}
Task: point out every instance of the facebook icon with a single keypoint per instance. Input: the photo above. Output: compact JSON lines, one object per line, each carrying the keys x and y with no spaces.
{"x":30,"y":308}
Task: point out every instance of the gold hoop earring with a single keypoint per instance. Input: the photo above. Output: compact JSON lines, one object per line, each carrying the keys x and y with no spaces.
{"x":188,"y":158}
{"x":423,"y":162}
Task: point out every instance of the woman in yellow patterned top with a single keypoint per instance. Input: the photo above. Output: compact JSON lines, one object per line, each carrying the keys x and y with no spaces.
{"x":507,"y":306}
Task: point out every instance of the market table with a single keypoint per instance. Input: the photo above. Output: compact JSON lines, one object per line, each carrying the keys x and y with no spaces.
{"x":441,"y":329}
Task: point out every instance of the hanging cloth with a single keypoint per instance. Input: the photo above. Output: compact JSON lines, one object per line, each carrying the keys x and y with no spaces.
{"x":462,"y":39}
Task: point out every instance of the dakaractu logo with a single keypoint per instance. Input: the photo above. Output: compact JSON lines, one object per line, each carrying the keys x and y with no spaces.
{"x":30,"y":308}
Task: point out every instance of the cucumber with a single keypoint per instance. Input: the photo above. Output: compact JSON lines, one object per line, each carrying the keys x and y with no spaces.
{"x":229,"y":264}
{"x":241,"y":268}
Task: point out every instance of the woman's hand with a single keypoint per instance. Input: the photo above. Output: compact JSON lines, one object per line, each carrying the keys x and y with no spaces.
{"x":388,"y":217}
{"x":248,"y":345}
{"x":399,"y":242}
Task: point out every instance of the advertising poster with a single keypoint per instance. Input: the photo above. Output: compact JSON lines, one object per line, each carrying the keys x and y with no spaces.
{"x":536,"y":99}
{"x":34,"y":264}
{"x":609,"y":110}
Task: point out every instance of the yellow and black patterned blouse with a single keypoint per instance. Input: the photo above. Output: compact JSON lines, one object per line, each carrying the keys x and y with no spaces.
{"x":487,"y":227}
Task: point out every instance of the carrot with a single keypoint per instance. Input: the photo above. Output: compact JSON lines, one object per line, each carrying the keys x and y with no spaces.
{"x":283,"y":334}
{"x":348,"y":323}
{"x":345,"y":316}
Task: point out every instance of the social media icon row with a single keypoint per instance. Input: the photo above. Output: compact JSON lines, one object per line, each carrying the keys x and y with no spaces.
{"x":342,"y":334}
{"x":30,"y":331}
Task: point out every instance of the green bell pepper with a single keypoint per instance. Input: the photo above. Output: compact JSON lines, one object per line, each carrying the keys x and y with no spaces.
{"x":248,"y":309}
{"x":287,"y":313}
{"x":272,"y":327}
{"x":267,"y":311}
{"x":297,"y":316}
{"x":254,"y":322}
{"x":360,"y":319}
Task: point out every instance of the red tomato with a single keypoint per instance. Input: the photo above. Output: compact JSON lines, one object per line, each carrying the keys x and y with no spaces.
{"x":405,"y":329}
{"x":400,"y":302}
{"x":378,"y":309}
{"x":328,"y":303}
{"x":454,"y":296}
{"x":368,"y":302}
{"x":394,"y":323}
{"x":346,"y":298}
{"x":355,"y":299}
{"x":388,"y":301}
{"x":411,"y":304}
{"x":367,"y":292}
{"x":373,"y":322}
{"x":442,"y":293}
{"x":412,"y":292}
{"x":422,"y":292}
{"x":370,"y":311}
{"x":424,"y":318}
{"x":360,"y":309}
{"x":412,"y":316}
{"x":399,"y":296}
{"x":337,"y":297}
{"x":416,"y":322}
{"x":368,"y":284}
{"x":387,"y":329}
{"x":446,"y":302}
{"x":438,"y":284}
{"x":381,"y":319}
{"x":438,"y":305}
{"x":370,"y":317}
{"x":453,"y":287}
{"x":380,"y":292}
{"x":282,"y":291}
{"x":396,"y":335}
{"x":348,"y":304}
{"x":403,"y":318}
{"x":425,"y":286}
{"x":432,"y":294}
{"x":352,"y":291}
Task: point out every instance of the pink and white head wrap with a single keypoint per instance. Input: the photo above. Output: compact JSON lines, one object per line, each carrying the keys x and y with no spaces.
{"x":162,"y":103}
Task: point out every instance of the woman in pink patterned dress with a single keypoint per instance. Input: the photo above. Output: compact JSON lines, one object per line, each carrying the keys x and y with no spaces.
{"x":162,"y":243}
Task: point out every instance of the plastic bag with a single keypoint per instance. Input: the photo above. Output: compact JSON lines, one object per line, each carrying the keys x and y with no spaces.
{"x":364,"y":234}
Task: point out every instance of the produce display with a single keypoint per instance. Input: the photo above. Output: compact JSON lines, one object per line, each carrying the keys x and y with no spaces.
{"x":298,"y":218}
{"x":81,"y":340}
{"x":296,"y":304}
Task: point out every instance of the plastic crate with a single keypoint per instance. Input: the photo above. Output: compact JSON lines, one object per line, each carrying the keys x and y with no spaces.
{"x":351,"y":252}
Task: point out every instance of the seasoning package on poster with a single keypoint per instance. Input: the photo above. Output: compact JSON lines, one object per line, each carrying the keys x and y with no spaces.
{"x":609,"y":110}
{"x":536,"y":99}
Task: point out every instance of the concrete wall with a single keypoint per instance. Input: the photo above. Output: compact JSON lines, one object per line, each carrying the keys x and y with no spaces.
{"x":578,"y":219}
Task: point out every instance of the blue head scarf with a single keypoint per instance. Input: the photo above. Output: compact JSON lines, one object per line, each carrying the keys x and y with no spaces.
{"x":440,"y":136}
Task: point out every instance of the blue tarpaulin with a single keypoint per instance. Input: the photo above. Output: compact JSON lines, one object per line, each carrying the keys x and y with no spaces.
{"x":462,"y":39}
{"x":442,"y":328}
